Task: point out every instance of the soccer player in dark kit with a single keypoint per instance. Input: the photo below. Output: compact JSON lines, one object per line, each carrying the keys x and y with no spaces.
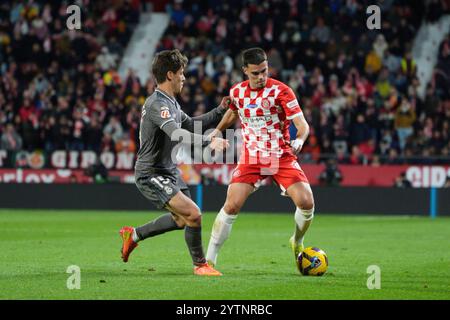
{"x":163,"y":126}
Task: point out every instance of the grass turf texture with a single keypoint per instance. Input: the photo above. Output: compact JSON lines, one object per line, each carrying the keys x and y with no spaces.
{"x":38,"y":246}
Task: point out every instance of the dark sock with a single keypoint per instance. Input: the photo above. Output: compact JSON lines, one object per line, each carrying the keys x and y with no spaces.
{"x":160,"y":225}
{"x":193,"y":237}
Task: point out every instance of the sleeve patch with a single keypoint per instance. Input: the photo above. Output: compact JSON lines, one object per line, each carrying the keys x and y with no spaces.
{"x":292,"y":104}
{"x":165,"y":114}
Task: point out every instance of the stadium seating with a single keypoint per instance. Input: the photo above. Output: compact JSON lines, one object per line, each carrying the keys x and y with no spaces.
{"x":60,"y":90}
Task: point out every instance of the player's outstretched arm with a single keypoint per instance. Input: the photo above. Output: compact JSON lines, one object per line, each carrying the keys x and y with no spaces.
{"x":302,"y":133}
{"x":182,"y":135}
{"x":208,"y":119}
{"x":227,"y":121}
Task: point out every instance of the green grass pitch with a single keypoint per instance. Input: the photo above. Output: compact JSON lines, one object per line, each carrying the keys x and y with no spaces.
{"x":37,"y":247}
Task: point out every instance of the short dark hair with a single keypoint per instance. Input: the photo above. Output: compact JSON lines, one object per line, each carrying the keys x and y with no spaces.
{"x":253,"y":56}
{"x":165,"y":61}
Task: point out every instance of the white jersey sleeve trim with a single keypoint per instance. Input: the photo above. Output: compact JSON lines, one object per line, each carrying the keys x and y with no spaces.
{"x":294,"y":116}
{"x":165,"y":122}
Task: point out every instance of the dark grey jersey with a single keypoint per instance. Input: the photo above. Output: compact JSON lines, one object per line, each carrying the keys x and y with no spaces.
{"x":161,"y":115}
{"x":155,"y":145}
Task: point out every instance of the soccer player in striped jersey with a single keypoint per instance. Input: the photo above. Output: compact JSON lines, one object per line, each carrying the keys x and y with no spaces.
{"x":265,"y":107}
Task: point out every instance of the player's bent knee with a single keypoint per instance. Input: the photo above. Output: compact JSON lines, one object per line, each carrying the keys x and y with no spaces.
{"x":305,"y":200}
{"x":304,"y":203}
{"x":194,"y":222}
{"x":194,"y":219}
{"x":178,"y":221}
{"x":307,"y":203}
{"x":231,"y":208}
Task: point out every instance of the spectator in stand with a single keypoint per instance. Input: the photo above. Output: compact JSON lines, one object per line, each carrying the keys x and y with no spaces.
{"x":125,"y":144}
{"x":392,"y":63}
{"x":331,"y":176}
{"x":311,"y":151}
{"x":373,"y":63}
{"x":405,"y":117}
{"x":383,"y":85}
{"x":106,"y":60}
{"x":409,"y":66}
{"x":113,"y":129}
{"x":380,"y":46}
{"x":376,"y":162}
{"x":321,"y":32}
{"x":64,"y":133}
{"x":107,"y":144}
{"x":356,"y":157}
{"x":393,"y":157}
{"x":441,"y":74}
{"x":345,"y":71}
{"x":94,"y":135}
{"x":368,"y":149}
{"x":79,"y":127}
{"x":49,"y":134}
{"x":360,"y":131}
{"x":10,"y":139}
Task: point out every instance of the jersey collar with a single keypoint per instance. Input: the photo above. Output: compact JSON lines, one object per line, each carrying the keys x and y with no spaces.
{"x":166,"y":95}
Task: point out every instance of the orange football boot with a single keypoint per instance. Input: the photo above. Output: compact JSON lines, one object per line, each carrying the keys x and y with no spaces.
{"x":128,"y":245}
{"x":206,"y":270}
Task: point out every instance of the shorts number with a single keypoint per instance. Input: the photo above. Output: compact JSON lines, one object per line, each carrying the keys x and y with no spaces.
{"x":159,"y":181}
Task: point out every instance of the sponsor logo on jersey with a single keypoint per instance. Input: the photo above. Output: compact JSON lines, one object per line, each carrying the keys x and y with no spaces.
{"x":292,"y":104}
{"x":251,"y":106}
{"x":258,"y":122}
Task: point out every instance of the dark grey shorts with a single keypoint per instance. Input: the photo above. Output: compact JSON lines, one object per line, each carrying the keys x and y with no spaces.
{"x":160,"y":188}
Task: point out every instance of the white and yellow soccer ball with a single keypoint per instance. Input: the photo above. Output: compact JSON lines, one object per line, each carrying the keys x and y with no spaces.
{"x":312,"y":262}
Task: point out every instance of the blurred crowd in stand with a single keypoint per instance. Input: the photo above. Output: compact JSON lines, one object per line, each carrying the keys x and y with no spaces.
{"x":358,"y":88}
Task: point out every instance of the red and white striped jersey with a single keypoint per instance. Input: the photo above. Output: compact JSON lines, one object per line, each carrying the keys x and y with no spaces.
{"x":265,"y":116}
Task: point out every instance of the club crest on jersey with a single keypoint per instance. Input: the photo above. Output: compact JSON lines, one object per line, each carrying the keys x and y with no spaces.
{"x":168,"y":190}
{"x":165,"y":114}
{"x":265,"y":103}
